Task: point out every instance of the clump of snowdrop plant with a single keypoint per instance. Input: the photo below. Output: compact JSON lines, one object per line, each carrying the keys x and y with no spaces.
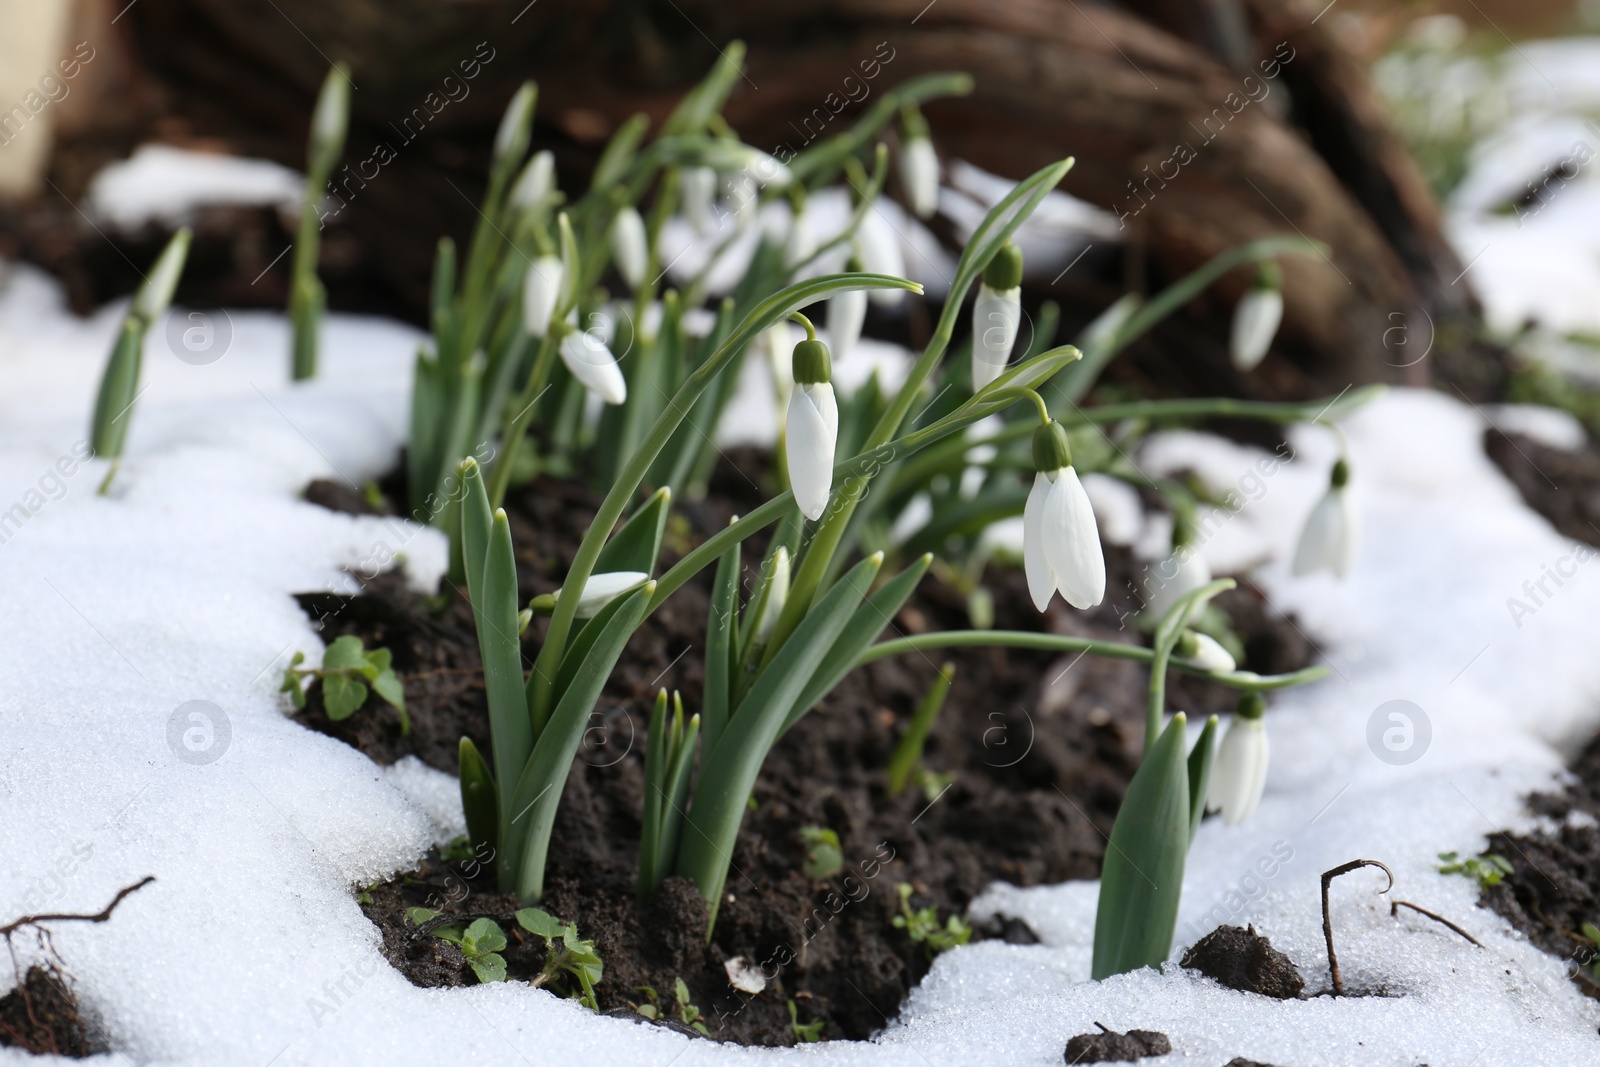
{"x":500,"y":372}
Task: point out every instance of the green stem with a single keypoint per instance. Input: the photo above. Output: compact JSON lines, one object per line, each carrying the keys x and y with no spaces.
{"x":511,"y":440}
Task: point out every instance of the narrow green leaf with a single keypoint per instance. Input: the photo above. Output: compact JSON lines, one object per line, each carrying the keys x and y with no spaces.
{"x":677,"y":797}
{"x":619,"y":152}
{"x":705,"y":100}
{"x":729,"y":771}
{"x":1142,"y":878}
{"x":656,"y":760}
{"x":908,"y":752}
{"x":476,"y":522}
{"x":113,"y":406}
{"x":722,"y":622}
{"x":501,"y":651}
{"x":478,"y":798}
{"x":538,"y":791}
{"x":1200,"y":760}
{"x":636,"y":546}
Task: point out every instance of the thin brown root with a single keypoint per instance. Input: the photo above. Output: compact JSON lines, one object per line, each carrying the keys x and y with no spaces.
{"x":98,"y":917}
{"x":1396,"y":905}
{"x":1327,"y":922}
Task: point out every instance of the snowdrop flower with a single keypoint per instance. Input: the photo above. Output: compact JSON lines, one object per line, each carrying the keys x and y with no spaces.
{"x":536,"y":182}
{"x":602,"y":589}
{"x":812,"y":427}
{"x":541,"y":290}
{"x":777,"y":595}
{"x":1207,"y":652}
{"x":630,"y":245}
{"x":846,"y":313}
{"x":996,"y":315}
{"x":919,"y":166}
{"x":1328,"y":540}
{"x":1060,"y":542}
{"x":878,"y":251}
{"x":591,"y":362}
{"x":1239,"y":772}
{"x":699,"y":190}
{"x":1256,"y":318}
{"x":801,"y":242}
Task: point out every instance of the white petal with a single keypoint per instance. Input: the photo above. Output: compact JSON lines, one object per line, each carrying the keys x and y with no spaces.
{"x":537,"y":181}
{"x":1182,"y":572}
{"x":699,"y":188}
{"x":540,"y":291}
{"x":801,"y":242}
{"x":846,"y":312}
{"x":1255,"y":321}
{"x":592,"y":363}
{"x":1212,"y":656}
{"x":602,"y":589}
{"x":1041,"y":587}
{"x":1327,"y":542}
{"x":995,"y":317}
{"x":1239,"y":772}
{"x":777,"y":595}
{"x":744,"y":197}
{"x":878,"y":249}
{"x":810,"y":433}
{"x":1072,"y":542}
{"x":630,"y":245}
{"x":919,"y":172}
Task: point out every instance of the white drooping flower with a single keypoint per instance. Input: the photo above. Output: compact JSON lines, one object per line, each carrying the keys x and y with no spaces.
{"x":541,"y":291}
{"x":630,"y":245}
{"x":589,"y":359}
{"x":1328,"y":540}
{"x":919,"y":173}
{"x":601,"y":589}
{"x":1255,"y":320}
{"x":777,"y":595}
{"x":878,"y":251}
{"x":1060,"y":541}
{"x":1207,"y":652}
{"x":1179,"y":574}
{"x":537,"y":181}
{"x":996,"y":315}
{"x":699,"y":190}
{"x":811,"y":429}
{"x":847,"y":311}
{"x":801,"y":243}
{"x":1239,"y":772}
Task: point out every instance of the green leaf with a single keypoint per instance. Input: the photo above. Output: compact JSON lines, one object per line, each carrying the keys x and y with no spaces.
{"x":698,"y":106}
{"x":540,"y":922}
{"x":655,"y":790}
{"x":342,"y":695}
{"x":344,"y":654}
{"x":113,"y":407}
{"x":619,"y":152}
{"x":501,"y":651}
{"x":418,"y":916}
{"x":1200,"y":759}
{"x":728,"y":771}
{"x":489,"y":967}
{"x":908,"y":752}
{"x":478,"y":798}
{"x":636,"y":546}
{"x":483,"y":936}
{"x":294,"y":685}
{"x":722,"y":622}
{"x":538,"y":789}
{"x":677,"y":798}
{"x":387,"y":685}
{"x":1142,"y":878}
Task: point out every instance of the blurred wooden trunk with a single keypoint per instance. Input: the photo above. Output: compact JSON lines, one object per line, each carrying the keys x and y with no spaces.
{"x":1263,"y":125}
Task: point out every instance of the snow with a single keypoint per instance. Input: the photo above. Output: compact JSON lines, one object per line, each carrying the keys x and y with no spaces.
{"x":167,"y":185}
{"x":249,"y":947}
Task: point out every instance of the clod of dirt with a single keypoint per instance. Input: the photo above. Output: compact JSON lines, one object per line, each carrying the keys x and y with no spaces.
{"x":1244,"y":960}
{"x":1007,"y":928}
{"x":1240,"y":1061}
{"x":1562,"y":486}
{"x":41,"y":1015}
{"x":1108,"y":1046}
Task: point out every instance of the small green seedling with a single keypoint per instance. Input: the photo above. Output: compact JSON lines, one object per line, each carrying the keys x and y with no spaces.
{"x":481,"y":942}
{"x":1489,"y":869}
{"x":1589,"y":955}
{"x":459,"y":850}
{"x":346,"y":672}
{"x":575,"y":958}
{"x":923,"y":925}
{"x":650,"y":1006}
{"x":906,"y":763}
{"x":805,"y":1033}
{"x":824,"y":855}
{"x":688,"y":1014}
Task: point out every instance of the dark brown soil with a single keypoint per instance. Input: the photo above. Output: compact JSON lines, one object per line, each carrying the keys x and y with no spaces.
{"x":1564,"y":487}
{"x":1554,"y":887}
{"x":1041,"y":748}
{"x":41,"y":1016}
{"x":1242,"y":959}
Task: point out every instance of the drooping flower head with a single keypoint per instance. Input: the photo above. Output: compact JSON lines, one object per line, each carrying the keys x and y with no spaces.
{"x":996,"y":314}
{"x":1239,"y":773}
{"x":1060,"y":541}
{"x":630,"y":245}
{"x":919,"y":165}
{"x":811,"y":429}
{"x":1328,"y":540}
{"x":1256,"y":318}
